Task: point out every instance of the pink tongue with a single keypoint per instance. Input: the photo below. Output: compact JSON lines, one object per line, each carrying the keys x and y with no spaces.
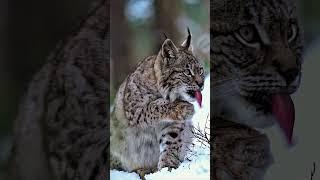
{"x":198,"y":96}
{"x":283,"y":110}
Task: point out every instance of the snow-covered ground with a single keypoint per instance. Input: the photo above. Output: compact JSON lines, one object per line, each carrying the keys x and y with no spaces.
{"x":199,"y":166}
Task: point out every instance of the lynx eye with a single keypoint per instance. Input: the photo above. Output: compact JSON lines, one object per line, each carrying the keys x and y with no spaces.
{"x":292,"y":32}
{"x":248,"y":36}
{"x":187,"y":72}
{"x":201,"y":71}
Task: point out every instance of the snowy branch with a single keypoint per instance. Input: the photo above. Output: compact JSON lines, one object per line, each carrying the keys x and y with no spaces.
{"x":203,"y":135}
{"x":313,"y":171}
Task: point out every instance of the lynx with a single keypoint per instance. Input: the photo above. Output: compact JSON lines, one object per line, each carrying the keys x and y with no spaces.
{"x":151,"y":122}
{"x":256,"y":50}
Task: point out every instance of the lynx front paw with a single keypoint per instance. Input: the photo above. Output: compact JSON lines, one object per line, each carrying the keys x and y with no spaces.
{"x":182,"y":111}
{"x":185,"y":109}
{"x":142,"y":172}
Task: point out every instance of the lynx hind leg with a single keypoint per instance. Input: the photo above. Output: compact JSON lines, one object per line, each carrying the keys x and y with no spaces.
{"x":115,"y":163}
{"x":174,"y":140}
{"x":142,"y":172}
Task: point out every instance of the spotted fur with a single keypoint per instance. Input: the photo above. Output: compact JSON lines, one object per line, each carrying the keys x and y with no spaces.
{"x":256,"y":51}
{"x":150,"y":125}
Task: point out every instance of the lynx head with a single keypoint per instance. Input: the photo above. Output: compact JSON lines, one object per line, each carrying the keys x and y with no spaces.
{"x":179,"y":73}
{"x":257,"y":49}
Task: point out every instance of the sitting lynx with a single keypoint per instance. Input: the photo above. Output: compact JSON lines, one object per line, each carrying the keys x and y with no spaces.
{"x":150,"y":124}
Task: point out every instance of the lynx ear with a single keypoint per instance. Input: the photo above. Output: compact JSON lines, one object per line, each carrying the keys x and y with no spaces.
{"x":186,"y":45}
{"x":168,"y":50}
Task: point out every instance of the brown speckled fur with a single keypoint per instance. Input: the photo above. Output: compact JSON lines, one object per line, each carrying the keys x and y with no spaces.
{"x":150,"y":124}
{"x":256,"y":51}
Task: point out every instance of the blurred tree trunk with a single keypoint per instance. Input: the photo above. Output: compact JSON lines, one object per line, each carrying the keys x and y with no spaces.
{"x":61,"y":128}
{"x":120,"y":42}
{"x":166,"y":15}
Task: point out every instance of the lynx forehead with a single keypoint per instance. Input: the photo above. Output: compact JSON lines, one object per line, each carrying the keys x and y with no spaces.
{"x":231,"y":14}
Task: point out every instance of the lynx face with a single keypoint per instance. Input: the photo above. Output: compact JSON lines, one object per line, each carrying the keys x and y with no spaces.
{"x":257,"y":49}
{"x":180,"y":74}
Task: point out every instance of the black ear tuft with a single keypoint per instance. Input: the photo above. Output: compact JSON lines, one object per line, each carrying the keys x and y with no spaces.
{"x":165,"y":36}
{"x":168,"y":50}
{"x":186,"y":43}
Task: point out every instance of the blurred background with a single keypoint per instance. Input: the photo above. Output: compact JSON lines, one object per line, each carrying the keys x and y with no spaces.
{"x":137,"y":28}
{"x":29,"y":31}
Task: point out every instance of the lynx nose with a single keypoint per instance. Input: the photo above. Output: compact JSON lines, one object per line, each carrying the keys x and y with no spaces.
{"x":199,"y":81}
{"x":200,"y":84}
{"x":290,"y":75}
{"x":286,"y":63}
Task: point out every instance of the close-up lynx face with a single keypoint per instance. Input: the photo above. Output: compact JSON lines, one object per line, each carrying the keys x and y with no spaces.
{"x":181,"y":75}
{"x":257,"y":49}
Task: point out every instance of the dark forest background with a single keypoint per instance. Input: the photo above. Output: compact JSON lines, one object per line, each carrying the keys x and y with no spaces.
{"x":30,"y":30}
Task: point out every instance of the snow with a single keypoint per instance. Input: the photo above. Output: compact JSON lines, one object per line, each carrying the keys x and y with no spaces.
{"x":198,"y":165}
{"x":121,"y":175}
